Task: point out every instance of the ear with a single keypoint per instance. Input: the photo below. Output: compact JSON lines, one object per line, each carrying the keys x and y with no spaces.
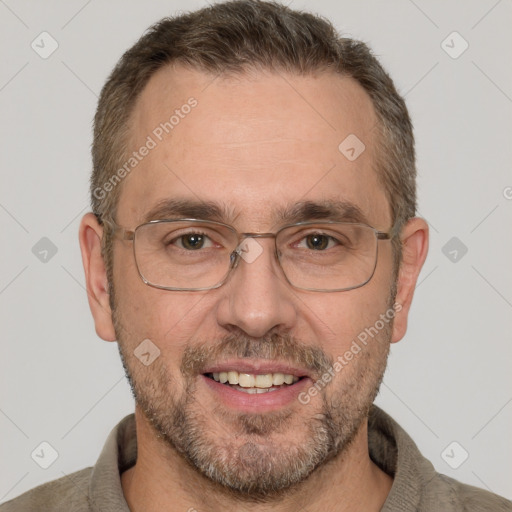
{"x":90,"y":235}
{"x":414,"y":238}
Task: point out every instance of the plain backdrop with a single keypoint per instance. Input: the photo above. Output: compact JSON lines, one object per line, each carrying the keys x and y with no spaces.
{"x":448,"y":382}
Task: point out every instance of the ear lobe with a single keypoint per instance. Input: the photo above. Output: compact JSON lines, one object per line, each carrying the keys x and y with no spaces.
{"x":414,"y":238}
{"x":90,"y":235}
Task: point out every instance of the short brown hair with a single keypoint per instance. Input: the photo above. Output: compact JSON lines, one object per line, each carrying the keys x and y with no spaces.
{"x":234,"y":37}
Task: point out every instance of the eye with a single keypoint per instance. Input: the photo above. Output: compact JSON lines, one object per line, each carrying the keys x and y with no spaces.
{"x":318,"y":242}
{"x":192,"y":241}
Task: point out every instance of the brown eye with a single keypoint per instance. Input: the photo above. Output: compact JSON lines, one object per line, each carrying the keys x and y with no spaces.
{"x":317,"y":242}
{"x":192,"y":241}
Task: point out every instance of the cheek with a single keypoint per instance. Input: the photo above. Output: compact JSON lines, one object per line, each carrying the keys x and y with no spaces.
{"x":339,"y":318}
{"x":169,"y":319}
{"x":146,"y":309}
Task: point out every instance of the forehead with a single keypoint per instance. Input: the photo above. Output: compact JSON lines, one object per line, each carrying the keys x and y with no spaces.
{"x":253,"y":143}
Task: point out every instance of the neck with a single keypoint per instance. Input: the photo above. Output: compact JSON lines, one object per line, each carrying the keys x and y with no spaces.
{"x":161,"y":479}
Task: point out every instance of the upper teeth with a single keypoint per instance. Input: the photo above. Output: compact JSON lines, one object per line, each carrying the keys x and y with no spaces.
{"x":250,"y":380}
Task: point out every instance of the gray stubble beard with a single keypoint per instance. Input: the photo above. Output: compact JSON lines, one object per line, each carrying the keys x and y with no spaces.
{"x":257,"y":470}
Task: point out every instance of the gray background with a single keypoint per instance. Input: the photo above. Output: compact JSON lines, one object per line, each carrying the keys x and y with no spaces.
{"x":448,"y":380}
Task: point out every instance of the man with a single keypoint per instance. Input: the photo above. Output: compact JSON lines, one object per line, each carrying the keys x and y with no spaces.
{"x":254,"y":251}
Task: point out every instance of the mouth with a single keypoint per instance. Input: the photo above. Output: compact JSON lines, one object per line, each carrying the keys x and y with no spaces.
{"x":253,"y":383}
{"x":255,"y":386}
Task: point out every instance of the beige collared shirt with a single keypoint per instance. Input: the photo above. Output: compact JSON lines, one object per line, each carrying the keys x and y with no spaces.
{"x":416,"y":486}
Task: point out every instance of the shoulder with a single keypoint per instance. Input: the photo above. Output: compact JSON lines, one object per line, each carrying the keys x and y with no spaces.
{"x":417,"y":485}
{"x":69,"y":493}
{"x":455,"y":495}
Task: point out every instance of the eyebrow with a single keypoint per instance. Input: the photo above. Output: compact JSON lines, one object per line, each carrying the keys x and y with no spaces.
{"x":335,"y":210}
{"x":302,"y":211}
{"x":191,"y":209}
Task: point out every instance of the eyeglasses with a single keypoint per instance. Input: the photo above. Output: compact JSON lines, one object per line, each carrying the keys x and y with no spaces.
{"x":194,"y":254}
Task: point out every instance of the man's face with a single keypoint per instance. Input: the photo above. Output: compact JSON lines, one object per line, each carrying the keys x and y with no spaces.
{"x":254,"y":146}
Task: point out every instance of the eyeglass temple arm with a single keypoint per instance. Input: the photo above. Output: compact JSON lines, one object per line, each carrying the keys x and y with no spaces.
{"x":124,"y":234}
{"x":381,"y":235}
{"x":117,"y":231}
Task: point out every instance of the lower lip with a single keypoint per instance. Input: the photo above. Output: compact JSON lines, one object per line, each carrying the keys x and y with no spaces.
{"x":257,"y":402}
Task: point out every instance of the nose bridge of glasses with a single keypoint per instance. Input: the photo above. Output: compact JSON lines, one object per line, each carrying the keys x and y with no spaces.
{"x":257,"y":235}
{"x":244,"y":236}
{"x":247,"y":251}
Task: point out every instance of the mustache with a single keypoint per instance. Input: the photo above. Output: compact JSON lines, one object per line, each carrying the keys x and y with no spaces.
{"x":275,"y":346}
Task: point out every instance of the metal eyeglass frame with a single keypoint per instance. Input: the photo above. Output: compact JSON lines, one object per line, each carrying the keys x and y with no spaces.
{"x":235,"y":256}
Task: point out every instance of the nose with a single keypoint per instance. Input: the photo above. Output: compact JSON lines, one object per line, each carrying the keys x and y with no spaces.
{"x":256,"y":297}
